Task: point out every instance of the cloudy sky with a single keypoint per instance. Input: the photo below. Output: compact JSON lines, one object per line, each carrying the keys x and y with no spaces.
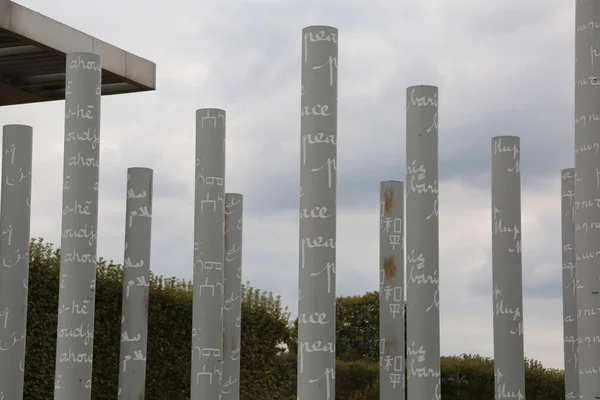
{"x":503,"y":68}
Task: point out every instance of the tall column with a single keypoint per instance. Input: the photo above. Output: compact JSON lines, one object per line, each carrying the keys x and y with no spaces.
{"x":318,"y":177}
{"x":73,"y":376}
{"x":15,"y":217}
{"x":136,"y":284}
{"x":509,"y":369}
{"x":391,"y":291}
{"x":587,"y":191}
{"x":232,"y":306}
{"x":422,"y":244}
{"x":569,"y":280}
{"x":209,"y":220}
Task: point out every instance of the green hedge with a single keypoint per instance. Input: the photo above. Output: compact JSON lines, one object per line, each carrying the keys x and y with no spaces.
{"x":268,"y":372}
{"x":360,"y":380}
{"x":265,"y":325}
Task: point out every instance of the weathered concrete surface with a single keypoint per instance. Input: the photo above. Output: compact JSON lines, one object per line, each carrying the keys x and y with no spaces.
{"x":422,"y":243}
{"x":15,"y":217}
{"x":391,"y":291}
{"x":509,"y":369}
{"x":569,"y":280}
{"x":207,"y":320}
{"x":232,"y":306}
{"x":318,"y":182}
{"x":136,"y":284}
{"x":587,"y":193}
{"x":77,"y":290}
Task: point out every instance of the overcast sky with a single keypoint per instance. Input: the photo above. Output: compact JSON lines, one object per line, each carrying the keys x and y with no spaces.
{"x":503,"y":68}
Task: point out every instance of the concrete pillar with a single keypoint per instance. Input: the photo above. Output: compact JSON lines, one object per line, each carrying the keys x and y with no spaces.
{"x":209,"y":213}
{"x":15,"y":217}
{"x":136,"y":284}
{"x":318,"y":176}
{"x":232,"y":306}
{"x":391,"y":291}
{"x":422,"y":244}
{"x":509,"y":369}
{"x":569,"y":280}
{"x":587,"y":191}
{"x":73,"y":376}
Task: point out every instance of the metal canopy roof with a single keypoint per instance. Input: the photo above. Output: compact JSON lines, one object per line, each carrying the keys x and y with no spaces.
{"x":33,"y":52}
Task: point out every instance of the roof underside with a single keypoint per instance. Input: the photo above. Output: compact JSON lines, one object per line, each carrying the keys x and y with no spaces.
{"x":31,"y":71}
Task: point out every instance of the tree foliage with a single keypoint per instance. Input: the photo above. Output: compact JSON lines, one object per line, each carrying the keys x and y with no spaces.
{"x":268,"y":370}
{"x":357,"y":327}
{"x":265,"y":331}
{"x":265,"y":327}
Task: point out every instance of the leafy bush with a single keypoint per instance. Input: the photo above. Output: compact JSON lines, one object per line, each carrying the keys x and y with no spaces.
{"x":265,"y":326}
{"x":268,"y":370}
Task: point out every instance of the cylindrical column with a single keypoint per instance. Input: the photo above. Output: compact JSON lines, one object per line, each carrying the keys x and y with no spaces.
{"x":73,"y":376}
{"x":569,"y":280}
{"x":15,"y":217}
{"x":509,"y":369}
{"x":209,"y":213}
{"x":391,"y":291}
{"x":587,"y":191}
{"x":318,"y":176}
{"x":422,"y":243}
{"x":232,"y":306}
{"x":136,"y":284}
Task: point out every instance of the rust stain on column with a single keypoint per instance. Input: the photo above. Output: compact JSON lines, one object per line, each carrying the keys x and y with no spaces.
{"x":389,"y":267}
{"x":388,"y":199}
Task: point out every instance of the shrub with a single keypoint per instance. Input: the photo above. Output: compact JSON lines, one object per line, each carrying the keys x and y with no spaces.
{"x":264,"y":327}
{"x":268,"y":370}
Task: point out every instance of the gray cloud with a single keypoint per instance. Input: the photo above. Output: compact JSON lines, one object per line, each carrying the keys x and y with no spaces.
{"x":502,"y":69}
{"x":541,"y":257}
